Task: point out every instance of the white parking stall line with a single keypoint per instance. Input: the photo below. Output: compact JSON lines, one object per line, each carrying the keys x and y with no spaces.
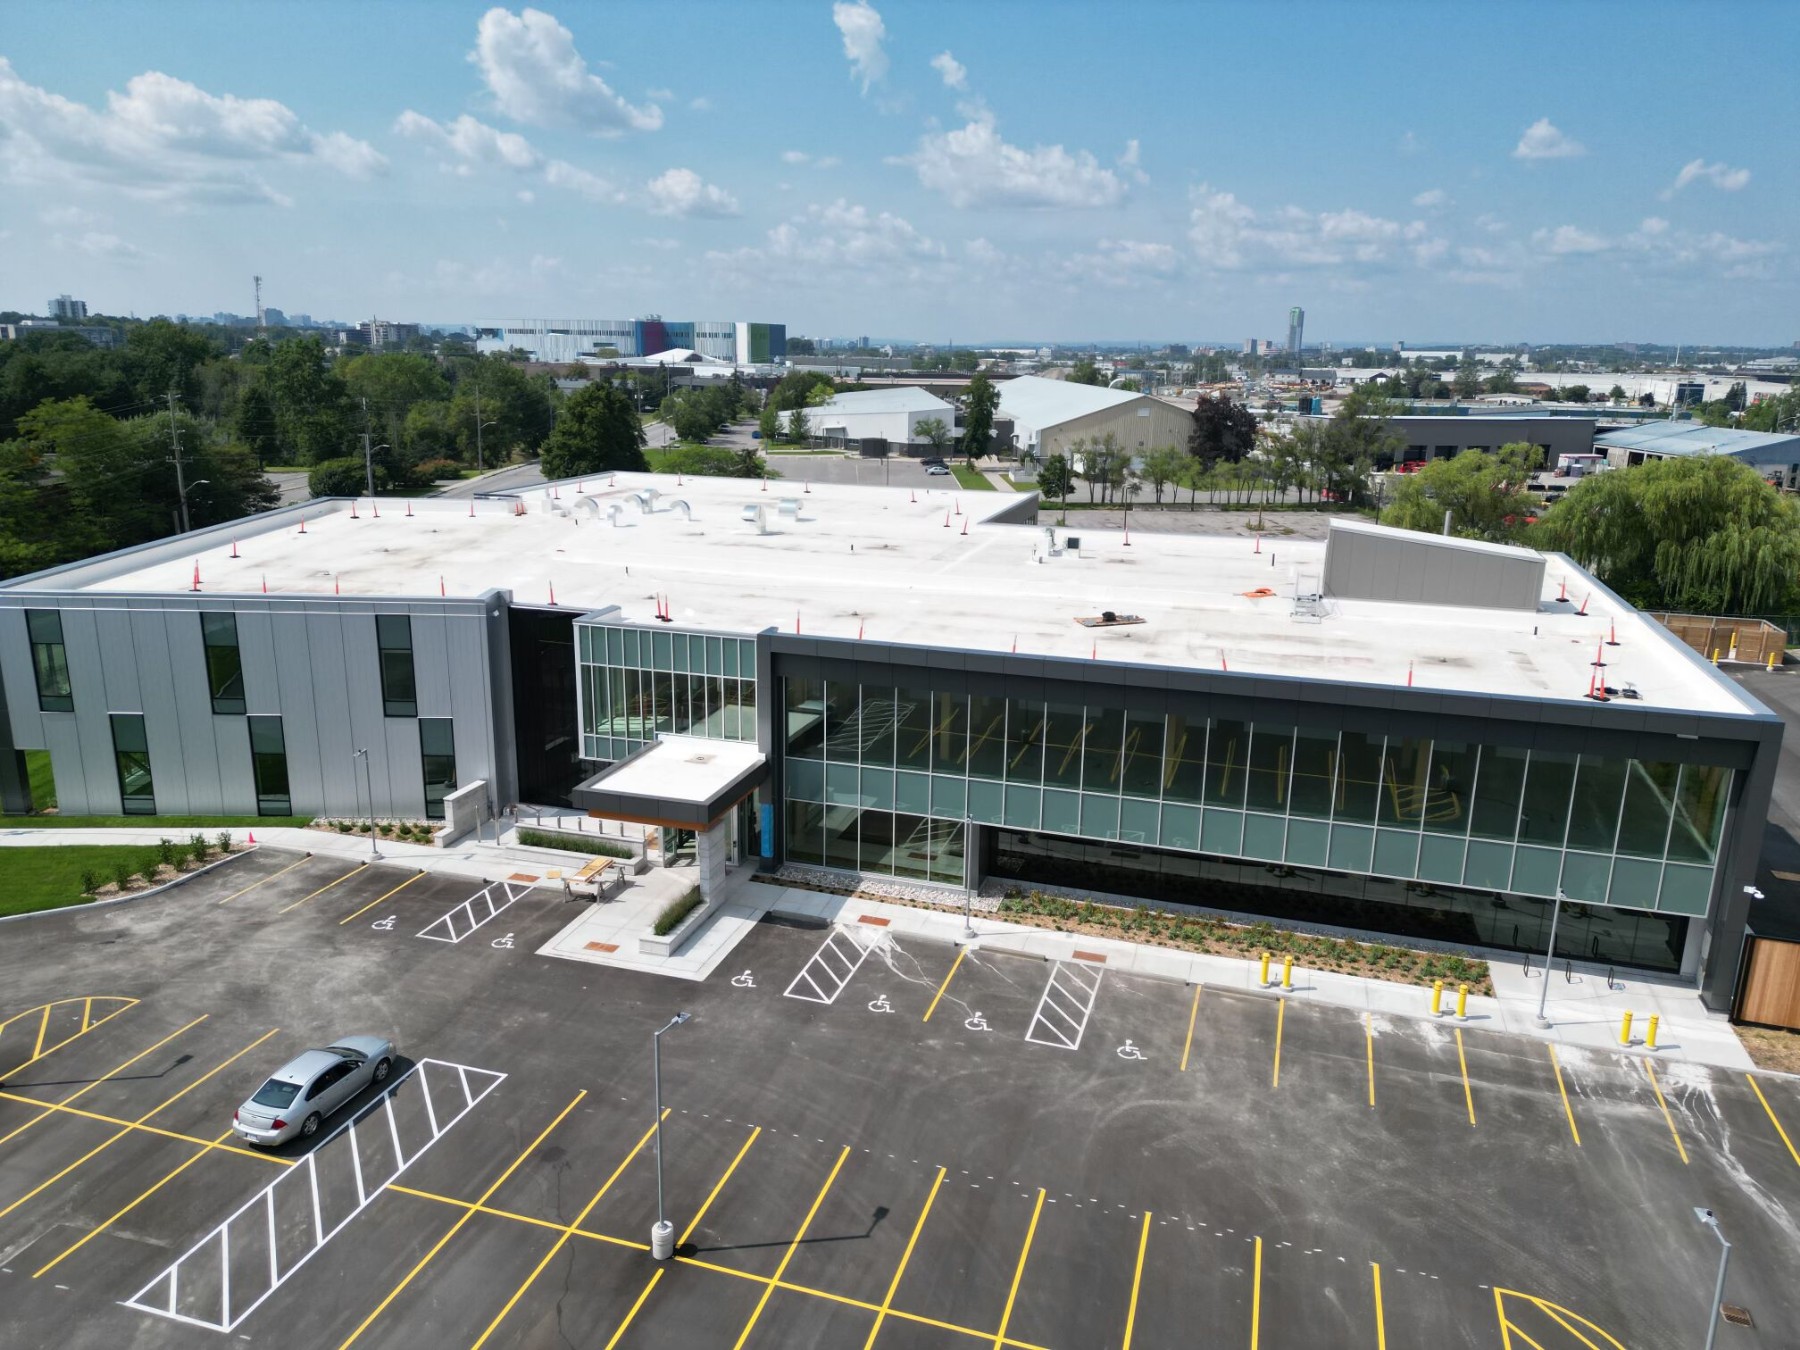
{"x":226,"y":1313}
{"x":823,"y":978}
{"x":472,"y":913}
{"x":1060,"y":1020}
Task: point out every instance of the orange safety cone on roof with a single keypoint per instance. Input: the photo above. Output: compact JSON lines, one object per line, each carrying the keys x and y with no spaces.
{"x":196,"y":574}
{"x":1584,"y":600}
{"x":353,"y":514}
{"x":250,"y":838}
{"x":375,"y":508}
{"x":440,"y":584}
{"x":552,"y":592}
{"x":302,"y":524}
{"x":265,"y":582}
{"x":234,"y":551}
{"x":1612,"y":634}
{"x":965,"y":528}
{"x":409,"y":510}
{"x":471,"y":508}
{"x":336,"y":589}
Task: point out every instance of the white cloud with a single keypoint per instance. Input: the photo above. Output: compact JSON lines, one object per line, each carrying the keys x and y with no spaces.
{"x":99,"y":244}
{"x":701,"y":104}
{"x":1228,"y":234}
{"x":560,"y":173}
{"x":1432,"y":198}
{"x":839,"y":240}
{"x":1567,"y":239}
{"x":955,"y":74}
{"x":682,"y":192}
{"x":795,"y":157}
{"x":1130,"y":164}
{"x":660,"y":95}
{"x":467,"y":144}
{"x":68,"y":217}
{"x":1721,"y":176}
{"x":1543,"y":141}
{"x":536,"y":76}
{"x":526,"y":195}
{"x":863,"y":34}
{"x":164,"y":139}
{"x":1124,"y":262}
{"x":974,"y":167}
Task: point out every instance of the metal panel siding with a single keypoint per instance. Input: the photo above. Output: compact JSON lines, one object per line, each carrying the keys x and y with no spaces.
{"x":398,"y":769}
{"x":93,"y":732}
{"x":169,"y":752}
{"x":231,"y":753}
{"x":334,"y":736}
{"x":262,"y":673}
{"x":20,"y":680}
{"x":470,"y":699}
{"x":1423,"y":570}
{"x":432,"y":640}
{"x":74,"y":795}
{"x":202,"y":731}
{"x":292,"y":668}
{"x":358,"y":692}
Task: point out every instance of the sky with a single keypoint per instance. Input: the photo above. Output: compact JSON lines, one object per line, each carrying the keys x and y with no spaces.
{"x":950,"y":173}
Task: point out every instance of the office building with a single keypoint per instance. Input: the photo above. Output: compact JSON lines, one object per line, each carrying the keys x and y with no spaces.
{"x":63,"y":307}
{"x":563,"y":341}
{"x":1296,"y":333}
{"x":1385,"y":730}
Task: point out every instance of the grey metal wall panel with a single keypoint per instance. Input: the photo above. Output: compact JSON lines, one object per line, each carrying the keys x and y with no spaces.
{"x":431,"y":639}
{"x":237,"y":779}
{"x":203,"y":732}
{"x":470,"y":699}
{"x":403,"y":772}
{"x":77,"y":791}
{"x":1414,"y":568}
{"x":299,"y":713}
{"x":262,"y":672}
{"x":173,"y":759}
{"x":21,"y":680}
{"x":88,"y":682}
{"x":339,"y":644}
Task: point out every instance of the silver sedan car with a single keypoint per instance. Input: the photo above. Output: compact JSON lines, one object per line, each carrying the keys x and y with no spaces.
{"x":302,"y":1093}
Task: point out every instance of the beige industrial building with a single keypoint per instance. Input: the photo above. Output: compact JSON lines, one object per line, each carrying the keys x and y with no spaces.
{"x":1048,"y":416}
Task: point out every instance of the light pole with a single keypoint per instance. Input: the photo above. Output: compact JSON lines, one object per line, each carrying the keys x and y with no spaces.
{"x":968,"y":828}
{"x":662,"y":1232}
{"x":369,"y":783}
{"x":1549,"y":956}
{"x":1711,"y":1220}
{"x":480,"y":426}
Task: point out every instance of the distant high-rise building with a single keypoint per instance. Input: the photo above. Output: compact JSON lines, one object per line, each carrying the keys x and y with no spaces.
{"x":1296,"y":329}
{"x":65,"y":308}
{"x":274,"y":316}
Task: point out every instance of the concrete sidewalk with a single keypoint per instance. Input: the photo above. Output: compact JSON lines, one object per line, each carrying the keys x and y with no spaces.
{"x":1582,"y":1009}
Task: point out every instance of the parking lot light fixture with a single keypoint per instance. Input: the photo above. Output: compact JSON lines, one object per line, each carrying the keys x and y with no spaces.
{"x":1549,"y":958}
{"x":369,"y":785}
{"x":662,"y":1232}
{"x":1711,"y":1220}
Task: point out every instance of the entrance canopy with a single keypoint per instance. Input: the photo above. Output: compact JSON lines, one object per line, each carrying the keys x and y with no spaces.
{"x":679,"y":782}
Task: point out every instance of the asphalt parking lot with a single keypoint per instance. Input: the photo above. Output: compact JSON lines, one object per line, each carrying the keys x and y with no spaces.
{"x":867,"y":1142}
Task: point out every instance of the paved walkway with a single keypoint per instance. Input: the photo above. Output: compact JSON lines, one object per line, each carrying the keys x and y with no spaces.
{"x":1582,"y":1009}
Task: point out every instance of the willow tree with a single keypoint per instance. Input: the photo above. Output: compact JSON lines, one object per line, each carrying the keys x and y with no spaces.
{"x":1704,"y":534}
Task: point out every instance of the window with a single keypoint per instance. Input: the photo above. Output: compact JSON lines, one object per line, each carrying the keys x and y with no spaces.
{"x":268,"y":766}
{"x":224,"y":664}
{"x":49,"y":660}
{"x":437,"y":752}
{"x":131,"y":751}
{"x":399,"y":690}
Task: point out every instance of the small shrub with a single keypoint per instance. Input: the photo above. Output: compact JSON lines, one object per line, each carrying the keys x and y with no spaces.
{"x":165,"y":851}
{"x":124,"y":874}
{"x":343,"y":826}
{"x":224,"y":841}
{"x":199,"y":848}
{"x":605,"y":848}
{"x":675,"y":911}
{"x":90,"y":882}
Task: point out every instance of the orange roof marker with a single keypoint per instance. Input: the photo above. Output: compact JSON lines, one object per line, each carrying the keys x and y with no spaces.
{"x":196,"y":574}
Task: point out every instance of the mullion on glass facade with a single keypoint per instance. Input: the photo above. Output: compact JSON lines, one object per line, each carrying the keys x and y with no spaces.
{"x":49,"y":660}
{"x":131,"y":754}
{"x":224,"y":663}
{"x":637,"y":684}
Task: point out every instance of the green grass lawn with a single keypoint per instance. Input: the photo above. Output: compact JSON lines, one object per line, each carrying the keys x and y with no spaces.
{"x":971,"y":479}
{"x":50,"y":877}
{"x":172,"y":824}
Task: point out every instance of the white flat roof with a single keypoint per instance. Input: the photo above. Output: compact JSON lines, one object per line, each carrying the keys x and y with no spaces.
{"x":1039,"y":403}
{"x":896,"y":565}
{"x":682,"y":768}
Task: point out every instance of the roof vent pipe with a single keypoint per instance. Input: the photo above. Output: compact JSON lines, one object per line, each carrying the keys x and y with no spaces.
{"x":678,"y":504}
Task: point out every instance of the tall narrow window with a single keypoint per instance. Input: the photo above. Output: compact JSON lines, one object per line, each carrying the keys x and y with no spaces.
{"x":437,"y":751}
{"x":399,"y":690}
{"x":131,"y":752}
{"x":224,"y":664}
{"x":49,"y":660}
{"x":268,"y":764}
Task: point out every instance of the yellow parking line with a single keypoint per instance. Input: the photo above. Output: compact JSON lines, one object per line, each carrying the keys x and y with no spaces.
{"x":47,"y":1107}
{"x":580,"y":1218}
{"x":1380,"y":1317}
{"x":1019,"y":1273}
{"x":1368,"y":1037}
{"x":632,"y":1315}
{"x":1256,"y":1299}
{"x":718,"y":1186}
{"x":44,"y":1025}
{"x":1193,"y":1013}
{"x":961,"y":952}
{"x":905,"y":1256}
{"x":378,"y":899}
{"x":56,"y":1108}
{"x":360,"y":867}
{"x":253,"y":885}
{"x":1137,"y":1278}
{"x":1751,"y":1079}
{"x":456,"y":1227}
{"x":793,"y":1247}
{"x":1669,"y":1119}
{"x":1468,"y":1092}
{"x":120,"y":1134}
{"x":1280,"y":1019}
{"x":87,"y":1024}
{"x":516,"y":1217}
{"x":1568,"y":1110}
{"x":93,"y":1233}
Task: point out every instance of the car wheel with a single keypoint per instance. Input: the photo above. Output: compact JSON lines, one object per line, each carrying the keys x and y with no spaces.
{"x":383,"y":1067}
{"x":310,"y":1126}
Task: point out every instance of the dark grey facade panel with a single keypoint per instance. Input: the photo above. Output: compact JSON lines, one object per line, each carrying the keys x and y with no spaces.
{"x":1408,"y":567}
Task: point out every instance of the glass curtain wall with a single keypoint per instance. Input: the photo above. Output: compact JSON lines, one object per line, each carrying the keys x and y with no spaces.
{"x":880,"y":779}
{"x":639,"y":683}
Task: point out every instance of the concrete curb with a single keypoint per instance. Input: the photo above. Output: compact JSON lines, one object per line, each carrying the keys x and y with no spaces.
{"x":135,"y":896}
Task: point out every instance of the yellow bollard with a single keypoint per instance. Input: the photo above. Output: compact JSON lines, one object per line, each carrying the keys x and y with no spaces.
{"x":1715,"y":660}
{"x":1771,"y":660}
{"x":1650,"y":1032}
{"x":1265,"y":970}
{"x":1625,"y":1029}
{"x":1437,"y":997}
{"x":1462,"y":1002}
{"x":1287,"y":970}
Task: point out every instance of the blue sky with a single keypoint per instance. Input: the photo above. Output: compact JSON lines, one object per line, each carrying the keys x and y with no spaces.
{"x":947,"y":172}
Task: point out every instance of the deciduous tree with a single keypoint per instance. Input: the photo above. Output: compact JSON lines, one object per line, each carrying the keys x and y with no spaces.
{"x":596,"y":430}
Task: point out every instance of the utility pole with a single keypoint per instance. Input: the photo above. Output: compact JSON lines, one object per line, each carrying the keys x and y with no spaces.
{"x":368,"y":454}
{"x":478,"y":461}
{"x":175,"y":459}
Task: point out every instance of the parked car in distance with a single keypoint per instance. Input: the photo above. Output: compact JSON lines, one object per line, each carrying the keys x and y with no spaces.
{"x":937,"y":470}
{"x":299,"y":1097}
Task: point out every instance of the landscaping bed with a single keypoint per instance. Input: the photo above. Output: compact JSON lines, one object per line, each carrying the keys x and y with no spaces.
{"x":570,"y":842}
{"x":56,"y":876}
{"x":400,"y":831}
{"x":1772,"y":1048}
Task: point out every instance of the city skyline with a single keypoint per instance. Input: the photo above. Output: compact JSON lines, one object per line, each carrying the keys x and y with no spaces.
{"x":894,"y":168}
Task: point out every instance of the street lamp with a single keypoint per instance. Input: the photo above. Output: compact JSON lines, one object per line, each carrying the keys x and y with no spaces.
{"x":969,"y":934}
{"x":363,"y":755}
{"x":662,"y":1232}
{"x":1549,"y":956}
{"x":1711,"y":1220}
{"x":480,"y":426}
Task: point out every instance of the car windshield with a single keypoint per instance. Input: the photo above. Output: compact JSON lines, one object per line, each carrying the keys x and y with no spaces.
{"x":276,"y":1093}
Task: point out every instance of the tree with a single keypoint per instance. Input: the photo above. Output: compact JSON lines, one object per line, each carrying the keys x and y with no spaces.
{"x":1616,"y":394}
{"x":799,"y":429}
{"x":1704,"y":534}
{"x":1352,"y":443}
{"x":1486,"y":495}
{"x":768,"y":422}
{"x":794,"y":389}
{"x":254,"y":421}
{"x":312,"y":416}
{"x":1053,"y":478}
{"x":706,"y":461}
{"x":1086,"y":372}
{"x":1223,"y":430}
{"x":1467,"y":383}
{"x":161,"y":356}
{"x":935,"y":433}
{"x":979,"y":402}
{"x":1161,"y":467}
{"x":1575,"y":393}
{"x":344,"y":477}
{"x":1100,"y":462}
{"x":520,"y":406}
{"x":1736,"y":397}
{"x":597,"y":430}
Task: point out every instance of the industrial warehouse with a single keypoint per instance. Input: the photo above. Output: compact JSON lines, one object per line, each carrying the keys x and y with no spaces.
{"x":1383,"y":731}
